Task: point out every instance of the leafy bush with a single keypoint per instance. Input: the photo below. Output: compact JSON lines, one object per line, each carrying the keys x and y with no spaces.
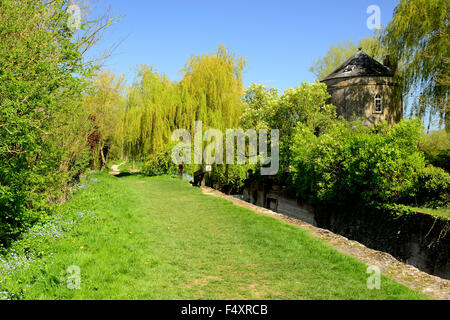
{"x":433,"y":188}
{"x":351,"y":163}
{"x":43,"y":123}
{"x":229,"y":178}
{"x":437,"y":149}
{"x":160,"y":163}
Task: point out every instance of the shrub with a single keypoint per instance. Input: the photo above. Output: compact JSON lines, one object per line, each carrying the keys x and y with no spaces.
{"x":433,"y":188}
{"x":351,"y":163}
{"x":437,"y":149}
{"x":229,"y":178}
{"x":43,"y":127}
{"x":160,"y":163}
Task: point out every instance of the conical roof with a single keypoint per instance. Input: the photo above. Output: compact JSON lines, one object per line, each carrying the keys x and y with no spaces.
{"x":360,"y":65}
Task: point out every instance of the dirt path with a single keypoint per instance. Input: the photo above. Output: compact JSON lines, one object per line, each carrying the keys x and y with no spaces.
{"x":408,"y":275}
{"x":115,"y":168}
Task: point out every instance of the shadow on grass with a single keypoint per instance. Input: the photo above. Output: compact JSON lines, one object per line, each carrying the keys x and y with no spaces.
{"x":128,"y":174}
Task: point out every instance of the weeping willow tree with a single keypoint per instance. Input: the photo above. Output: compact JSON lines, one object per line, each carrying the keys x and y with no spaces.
{"x":210,"y":91}
{"x":214,"y":83}
{"x":152,"y":107}
{"x":419,"y":37}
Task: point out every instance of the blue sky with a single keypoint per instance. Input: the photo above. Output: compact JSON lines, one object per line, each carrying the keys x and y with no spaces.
{"x":280,"y":38}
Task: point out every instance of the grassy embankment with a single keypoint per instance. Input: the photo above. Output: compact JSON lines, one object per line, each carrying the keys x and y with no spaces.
{"x":160,"y":238}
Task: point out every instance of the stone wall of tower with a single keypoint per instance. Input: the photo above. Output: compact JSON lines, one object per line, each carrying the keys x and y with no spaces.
{"x":355,"y":98}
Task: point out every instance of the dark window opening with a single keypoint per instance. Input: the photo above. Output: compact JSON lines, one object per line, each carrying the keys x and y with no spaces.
{"x":378,"y":104}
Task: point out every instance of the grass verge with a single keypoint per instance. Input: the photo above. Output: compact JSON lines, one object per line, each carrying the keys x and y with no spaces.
{"x":159,"y":238}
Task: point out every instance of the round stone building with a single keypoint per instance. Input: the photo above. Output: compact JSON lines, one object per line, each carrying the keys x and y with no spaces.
{"x":363,"y":88}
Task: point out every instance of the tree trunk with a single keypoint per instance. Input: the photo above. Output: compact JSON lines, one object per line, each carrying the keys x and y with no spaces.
{"x":103,"y":162}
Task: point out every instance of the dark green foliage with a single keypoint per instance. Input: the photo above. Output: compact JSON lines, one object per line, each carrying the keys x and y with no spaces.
{"x":433,"y":188}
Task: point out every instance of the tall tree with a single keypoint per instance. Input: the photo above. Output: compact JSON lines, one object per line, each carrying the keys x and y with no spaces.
{"x":304,"y":105}
{"x":210,"y":91}
{"x":214,"y":81}
{"x":106,"y":107}
{"x":419,"y":36}
{"x":152,"y":106}
{"x":43,"y":73}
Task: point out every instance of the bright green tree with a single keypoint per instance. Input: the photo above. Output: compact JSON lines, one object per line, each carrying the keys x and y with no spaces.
{"x":214,"y":81}
{"x":304,"y":105}
{"x":210,"y":91}
{"x":43,"y":75}
{"x":106,"y":107}
{"x":419,"y":36}
{"x":151,"y":113}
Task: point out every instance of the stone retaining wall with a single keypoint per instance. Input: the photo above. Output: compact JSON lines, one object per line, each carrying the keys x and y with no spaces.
{"x":415,"y":238}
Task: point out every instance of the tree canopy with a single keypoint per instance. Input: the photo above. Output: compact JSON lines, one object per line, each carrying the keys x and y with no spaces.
{"x":210,"y":91}
{"x":419,"y":36}
{"x":43,"y":76}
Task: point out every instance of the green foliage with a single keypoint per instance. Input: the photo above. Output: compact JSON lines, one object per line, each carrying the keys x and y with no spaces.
{"x":436,"y":148}
{"x":151,"y":114}
{"x":106,"y":107}
{"x":433,"y":188}
{"x":34,"y":87}
{"x":260,"y":105}
{"x":210,"y":91}
{"x":160,"y":163}
{"x":214,"y":84}
{"x":43,"y":126}
{"x":350,"y":163}
{"x":419,"y":36}
{"x":304,"y":105}
{"x":230,"y":178}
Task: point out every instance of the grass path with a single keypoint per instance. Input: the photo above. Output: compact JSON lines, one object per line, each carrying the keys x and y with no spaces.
{"x":159,"y":238}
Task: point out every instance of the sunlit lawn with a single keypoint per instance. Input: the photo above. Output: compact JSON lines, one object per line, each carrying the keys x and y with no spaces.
{"x":160,"y":238}
{"x":444,"y":212}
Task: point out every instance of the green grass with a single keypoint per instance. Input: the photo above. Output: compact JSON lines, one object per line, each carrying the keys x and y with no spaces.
{"x":160,"y":238}
{"x":443,"y":212}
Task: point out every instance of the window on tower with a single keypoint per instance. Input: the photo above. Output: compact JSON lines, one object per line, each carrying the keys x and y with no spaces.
{"x":378,"y":104}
